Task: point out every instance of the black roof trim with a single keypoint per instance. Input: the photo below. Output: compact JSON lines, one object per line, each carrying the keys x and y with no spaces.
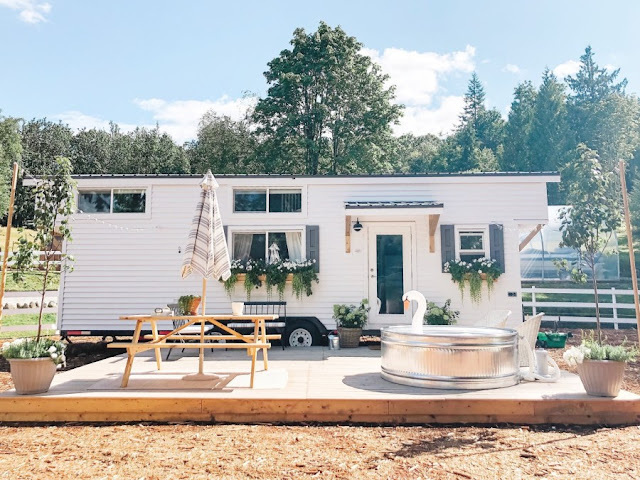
{"x":394,"y":204}
{"x":268,"y":175}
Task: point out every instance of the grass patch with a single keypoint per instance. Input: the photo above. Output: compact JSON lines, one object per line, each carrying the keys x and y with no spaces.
{"x":32,"y":282}
{"x":16,"y":234}
{"x":28,"y":319}
{"x":26,"y":334}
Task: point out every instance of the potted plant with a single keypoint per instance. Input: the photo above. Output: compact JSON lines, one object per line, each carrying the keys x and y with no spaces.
{"x":444,"y":315}
{"x":350,"y":320}
{"x":600,"y":366}
{"x":188,"y":304}
{"x":33,"y":363}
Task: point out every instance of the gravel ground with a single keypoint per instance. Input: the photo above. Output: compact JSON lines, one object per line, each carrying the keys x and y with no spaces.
{"x":151,"y":451}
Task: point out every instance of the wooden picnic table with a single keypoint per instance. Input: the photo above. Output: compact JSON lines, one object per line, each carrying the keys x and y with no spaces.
{"x":258,"y":341}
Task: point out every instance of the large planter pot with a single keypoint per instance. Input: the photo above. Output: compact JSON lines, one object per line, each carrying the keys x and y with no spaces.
{"x":349,"y":337}
{"x":601,"y":378}
{"x":32,"y":375}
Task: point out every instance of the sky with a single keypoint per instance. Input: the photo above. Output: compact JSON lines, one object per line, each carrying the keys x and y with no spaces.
{"x":147,"y":62}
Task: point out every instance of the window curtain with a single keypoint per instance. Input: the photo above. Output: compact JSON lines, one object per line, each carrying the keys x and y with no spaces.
{"x":242,"y":246}
{"x":294,"y":245}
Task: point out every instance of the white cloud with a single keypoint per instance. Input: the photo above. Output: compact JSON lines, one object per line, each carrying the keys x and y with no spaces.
{"x":418,"y":77}
{"x":570,"y":67}
{"x":609,"y":68}
{"x":511,"y":68}
{"x":31,"y":11}
{"x":177,"y":118}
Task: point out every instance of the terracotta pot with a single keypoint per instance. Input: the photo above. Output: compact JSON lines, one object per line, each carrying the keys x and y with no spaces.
{"x":349,"y":337}
{"x":193,"y":306}
{"x":601,"y":378}
{"x":32,"y":375}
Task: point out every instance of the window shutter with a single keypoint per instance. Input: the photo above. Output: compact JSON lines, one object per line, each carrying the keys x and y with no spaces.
{"x":313,"y":245}
{"x":226,"y":233}
{"x":447,"y":244}
{"x":496,"y":244}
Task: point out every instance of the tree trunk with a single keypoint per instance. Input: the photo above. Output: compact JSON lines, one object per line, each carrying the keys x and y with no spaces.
{"x":44,"y":293}
{"x":595,"y":298}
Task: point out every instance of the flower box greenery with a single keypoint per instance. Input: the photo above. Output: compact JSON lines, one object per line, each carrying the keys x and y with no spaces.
{"x":188,"y":304}
{"x":473,"y":273}
{"x":301,"y":275}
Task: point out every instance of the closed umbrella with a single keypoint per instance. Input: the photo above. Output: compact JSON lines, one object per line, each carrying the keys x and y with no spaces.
{"x":206,"y":252}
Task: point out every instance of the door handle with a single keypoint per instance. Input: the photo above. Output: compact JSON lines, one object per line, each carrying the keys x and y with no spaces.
{"x":373,"y":276}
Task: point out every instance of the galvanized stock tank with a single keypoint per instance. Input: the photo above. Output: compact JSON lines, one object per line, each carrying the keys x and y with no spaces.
{"x":450,"y":357}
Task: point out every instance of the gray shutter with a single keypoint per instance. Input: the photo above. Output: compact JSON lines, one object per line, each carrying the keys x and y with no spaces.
{"x":313,"y":245}
{"x":447,"y":243}
{"x":496,"y":244}
{"x":226,"y":233}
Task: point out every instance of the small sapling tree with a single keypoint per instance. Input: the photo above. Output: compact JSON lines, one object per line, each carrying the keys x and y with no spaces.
{"x":592,"y":217}
{"x":54,"y":204}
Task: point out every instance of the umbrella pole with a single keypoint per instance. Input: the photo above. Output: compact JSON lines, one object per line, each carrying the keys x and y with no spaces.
{"x":201,"y":375}
{"x":203,"y":303}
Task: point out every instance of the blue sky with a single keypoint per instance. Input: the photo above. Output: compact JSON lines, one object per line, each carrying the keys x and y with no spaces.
{"x":141,"y":62}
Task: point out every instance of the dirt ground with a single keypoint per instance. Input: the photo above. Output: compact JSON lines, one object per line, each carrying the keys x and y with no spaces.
{"x":151,"y":451}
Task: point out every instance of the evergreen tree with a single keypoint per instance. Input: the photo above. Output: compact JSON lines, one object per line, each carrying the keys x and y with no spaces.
{"x":479,"y":129}
{"x":601,"y":115}
{"x":516,"y":156}
{"x":549,"y":137}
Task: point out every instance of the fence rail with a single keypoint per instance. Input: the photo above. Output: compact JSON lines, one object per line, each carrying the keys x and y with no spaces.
{"x":39,"y":259}
{"x":613,"y":304}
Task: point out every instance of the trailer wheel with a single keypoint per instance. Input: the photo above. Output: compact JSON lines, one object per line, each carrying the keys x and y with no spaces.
{"x":302,"y":334}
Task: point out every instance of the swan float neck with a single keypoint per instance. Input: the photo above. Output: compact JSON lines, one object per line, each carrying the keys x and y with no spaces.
{"x":418,"y":317}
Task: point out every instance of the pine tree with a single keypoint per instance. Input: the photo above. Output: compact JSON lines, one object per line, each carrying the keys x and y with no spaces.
{"x":601,"y":115}
{"x":549,"y":136}
{"x":473,"y":103}
{"x":516,"y":156}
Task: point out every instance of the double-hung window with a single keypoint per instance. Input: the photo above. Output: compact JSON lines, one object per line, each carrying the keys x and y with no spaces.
{"x":267,"y":245}
{"x":112,"y":200}
{"x":272,"y":200}
{"x":472,"y":243}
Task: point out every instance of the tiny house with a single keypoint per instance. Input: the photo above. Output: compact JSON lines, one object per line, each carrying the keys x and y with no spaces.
{"x":371,"y":236}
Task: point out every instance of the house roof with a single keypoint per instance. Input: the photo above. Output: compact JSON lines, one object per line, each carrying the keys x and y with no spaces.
{"x":393,"y":204}
{"x":270,"y":175}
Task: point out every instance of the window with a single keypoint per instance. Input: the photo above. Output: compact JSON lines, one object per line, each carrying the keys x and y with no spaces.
{"x":272,"y":200}
{"x":112,"y":201}
{"x":267,"y":246}
{"x":472,"y":244}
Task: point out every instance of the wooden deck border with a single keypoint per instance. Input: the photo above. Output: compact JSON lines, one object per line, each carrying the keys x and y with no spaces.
{"x":71,"y":408}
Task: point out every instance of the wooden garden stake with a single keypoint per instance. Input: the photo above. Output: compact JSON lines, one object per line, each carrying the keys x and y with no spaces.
{"x":5,"y":257}
{"x":632,"y":260}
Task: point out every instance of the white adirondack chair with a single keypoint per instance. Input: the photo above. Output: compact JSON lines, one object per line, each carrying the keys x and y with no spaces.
{"x":528,"y":334}
{"x":495,"y":318}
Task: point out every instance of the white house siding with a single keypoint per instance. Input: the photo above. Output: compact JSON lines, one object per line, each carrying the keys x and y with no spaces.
{"x":130,"y":264}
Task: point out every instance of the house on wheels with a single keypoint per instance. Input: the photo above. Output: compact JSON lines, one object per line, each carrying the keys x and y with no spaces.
{"x":371,"y":236}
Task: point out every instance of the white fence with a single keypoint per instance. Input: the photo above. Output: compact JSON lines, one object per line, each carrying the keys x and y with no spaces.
{"x":38,"y":259}
{"x":603,"y":294}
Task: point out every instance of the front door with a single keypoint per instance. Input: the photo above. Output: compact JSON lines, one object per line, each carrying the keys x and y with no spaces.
{"x":389,"y":273}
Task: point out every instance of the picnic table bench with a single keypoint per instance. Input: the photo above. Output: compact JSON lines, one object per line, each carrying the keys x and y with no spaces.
{"x":252,"y":343}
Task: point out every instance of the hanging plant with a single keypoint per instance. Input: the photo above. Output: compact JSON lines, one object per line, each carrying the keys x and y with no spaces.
{"x":474,"y":273}
{"x":276,"y":276}
{"x":252,"y":280}
{"x":304,"y":275}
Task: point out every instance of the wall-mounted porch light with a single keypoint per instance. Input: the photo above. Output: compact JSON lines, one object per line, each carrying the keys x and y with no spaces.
{"x":357,"y":226}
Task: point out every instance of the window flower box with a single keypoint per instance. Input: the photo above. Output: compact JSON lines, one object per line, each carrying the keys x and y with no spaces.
{"x":474,"y":273}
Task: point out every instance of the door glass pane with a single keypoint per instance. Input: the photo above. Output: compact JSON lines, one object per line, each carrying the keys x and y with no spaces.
{"x":390,"y":273}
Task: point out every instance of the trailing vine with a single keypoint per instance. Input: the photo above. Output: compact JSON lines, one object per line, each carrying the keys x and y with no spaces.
{"x":473,"y":272}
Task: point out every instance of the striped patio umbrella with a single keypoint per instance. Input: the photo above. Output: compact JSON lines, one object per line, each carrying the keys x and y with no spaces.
{"x":206,"y":252}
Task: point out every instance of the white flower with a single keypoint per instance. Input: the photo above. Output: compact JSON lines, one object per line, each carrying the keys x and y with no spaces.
{"x":573,"y":356}
{"x":52,"y":349}
{"x":54,"y":355}
{"x":479,"y":271}
{"x":6,"y":346}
